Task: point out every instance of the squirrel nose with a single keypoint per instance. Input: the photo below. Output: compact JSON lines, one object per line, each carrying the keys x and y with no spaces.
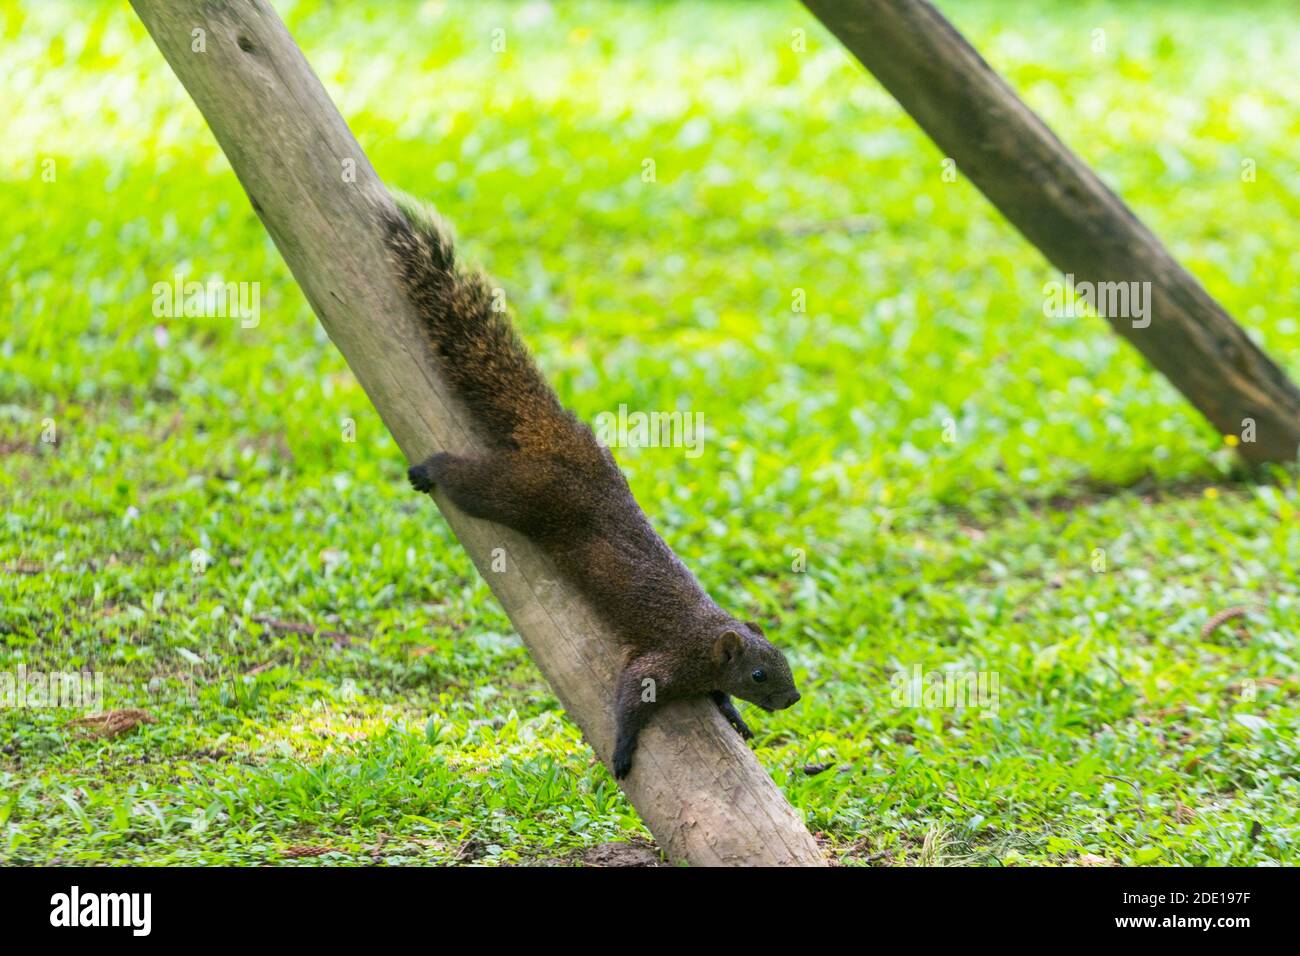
{"x":792,"y":699}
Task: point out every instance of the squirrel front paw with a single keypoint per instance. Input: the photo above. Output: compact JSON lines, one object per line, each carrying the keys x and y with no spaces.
{"x":728,"y":710}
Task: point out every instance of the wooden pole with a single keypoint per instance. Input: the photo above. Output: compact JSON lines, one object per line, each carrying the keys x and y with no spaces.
{"x":1060,"y":205}
{"x":701,"y":792}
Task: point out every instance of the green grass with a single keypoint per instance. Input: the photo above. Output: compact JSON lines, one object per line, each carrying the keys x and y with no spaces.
{"x":1121,"y":731}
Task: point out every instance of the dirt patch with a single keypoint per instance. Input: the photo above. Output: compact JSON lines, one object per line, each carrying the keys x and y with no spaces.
{"x":640,"y":853}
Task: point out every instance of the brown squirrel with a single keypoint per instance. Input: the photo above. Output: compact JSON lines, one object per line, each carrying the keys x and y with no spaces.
{"x":547,"y":476}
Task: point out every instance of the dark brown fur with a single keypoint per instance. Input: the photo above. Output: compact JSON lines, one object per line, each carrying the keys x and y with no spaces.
{"x":546,"y":476}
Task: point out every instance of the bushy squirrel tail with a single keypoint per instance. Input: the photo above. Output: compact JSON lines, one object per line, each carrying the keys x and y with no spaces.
{"x":475,"y":346}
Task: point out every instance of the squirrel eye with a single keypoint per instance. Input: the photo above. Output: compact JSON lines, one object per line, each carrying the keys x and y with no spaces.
{"x":759,"y":676}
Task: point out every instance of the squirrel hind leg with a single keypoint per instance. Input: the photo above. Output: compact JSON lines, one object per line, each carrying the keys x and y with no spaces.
{"x":423,"y":477}
{"x":504,"y":487}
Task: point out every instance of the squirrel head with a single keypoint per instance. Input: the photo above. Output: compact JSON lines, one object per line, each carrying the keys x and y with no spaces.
{"x":750,"y":667}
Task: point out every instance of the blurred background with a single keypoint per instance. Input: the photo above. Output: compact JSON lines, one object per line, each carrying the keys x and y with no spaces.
{"x":213,"y":516}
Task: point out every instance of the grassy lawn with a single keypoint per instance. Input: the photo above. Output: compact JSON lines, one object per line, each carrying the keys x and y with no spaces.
{"x":975,"y":487}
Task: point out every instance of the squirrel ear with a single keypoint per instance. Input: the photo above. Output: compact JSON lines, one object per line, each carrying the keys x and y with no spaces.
{"x":753,"y":626}
{"x":726,"y":647}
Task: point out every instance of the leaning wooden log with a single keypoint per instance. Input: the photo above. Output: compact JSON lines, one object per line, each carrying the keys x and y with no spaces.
{"x":701,"y":792}
{"x":1060,"y":205}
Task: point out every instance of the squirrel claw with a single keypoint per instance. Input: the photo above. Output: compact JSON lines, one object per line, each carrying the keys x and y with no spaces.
{"x":728,"y":710}
{"x":742,"y":728}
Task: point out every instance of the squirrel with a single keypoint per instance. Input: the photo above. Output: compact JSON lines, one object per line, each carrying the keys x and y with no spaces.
{"x":545,"y":475}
